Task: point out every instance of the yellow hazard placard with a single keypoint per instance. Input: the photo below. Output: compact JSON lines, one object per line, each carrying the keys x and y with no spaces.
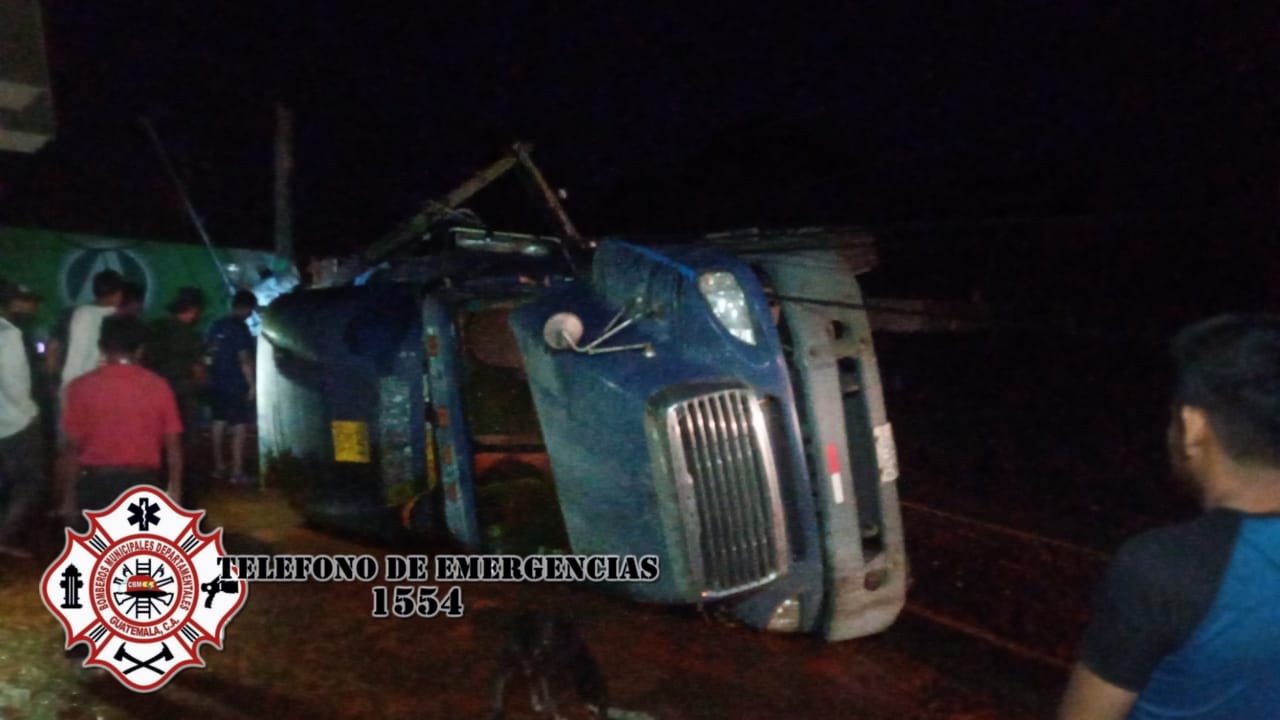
{"x":433,"y":473}
{"x":350,"y":441}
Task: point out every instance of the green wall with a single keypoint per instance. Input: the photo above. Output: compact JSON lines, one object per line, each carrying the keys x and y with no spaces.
{"x":60,"y":267}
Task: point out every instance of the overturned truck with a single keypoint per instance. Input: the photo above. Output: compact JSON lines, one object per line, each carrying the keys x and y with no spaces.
{"x":715,"y":403}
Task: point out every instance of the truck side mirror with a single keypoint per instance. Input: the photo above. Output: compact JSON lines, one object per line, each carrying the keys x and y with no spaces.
{"x":562,"y":331}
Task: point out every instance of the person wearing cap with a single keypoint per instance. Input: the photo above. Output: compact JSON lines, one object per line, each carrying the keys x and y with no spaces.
{"x":175,"y":352}
{"x":21,"y":440}
{"x":20,"y":307}
{"x":20,"y":303}
{"x":21,"y":310}
{"x":232,"y":384}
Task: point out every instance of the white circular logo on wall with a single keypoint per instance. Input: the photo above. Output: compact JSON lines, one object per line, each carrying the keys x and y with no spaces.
{"x":81,"y":265}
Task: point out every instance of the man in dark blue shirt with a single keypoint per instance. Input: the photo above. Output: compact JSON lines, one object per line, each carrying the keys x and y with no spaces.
{"x":232,"y":384}
{"x":1186,"y":623}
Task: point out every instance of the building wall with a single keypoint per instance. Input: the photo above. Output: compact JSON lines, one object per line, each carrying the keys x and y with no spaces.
{"x":26,"y":100}
{"x":60,"y":267}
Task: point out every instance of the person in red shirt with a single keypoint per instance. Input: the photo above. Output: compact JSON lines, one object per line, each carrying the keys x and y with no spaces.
{"x":118,"y":420}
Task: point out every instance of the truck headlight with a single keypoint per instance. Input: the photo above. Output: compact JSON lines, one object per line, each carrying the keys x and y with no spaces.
{"x":728,"y":303}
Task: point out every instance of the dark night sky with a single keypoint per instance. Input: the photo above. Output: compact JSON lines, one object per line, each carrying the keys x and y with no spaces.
{"x":658,"y":121}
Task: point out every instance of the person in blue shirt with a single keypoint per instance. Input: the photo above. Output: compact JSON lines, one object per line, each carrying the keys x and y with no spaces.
{"x":232,"y":384}
{"x":1186,"y":622}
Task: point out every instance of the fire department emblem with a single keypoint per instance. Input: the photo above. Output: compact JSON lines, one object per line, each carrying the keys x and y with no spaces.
{"x":143,"y":589}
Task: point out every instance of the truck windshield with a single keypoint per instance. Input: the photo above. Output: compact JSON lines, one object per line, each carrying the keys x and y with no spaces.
{"x":499,"y":406}
{"x":516,"y":500}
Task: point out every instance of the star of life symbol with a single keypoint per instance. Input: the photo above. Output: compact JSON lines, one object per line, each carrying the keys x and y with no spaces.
{"x":143,"y":589}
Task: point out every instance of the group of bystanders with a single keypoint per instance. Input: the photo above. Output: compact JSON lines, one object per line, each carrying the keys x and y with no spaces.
{"x":120,"y":402}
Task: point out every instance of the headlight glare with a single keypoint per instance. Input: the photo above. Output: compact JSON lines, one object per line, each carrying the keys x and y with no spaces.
{"x":786,"y":617}
{"x":728,"y":303}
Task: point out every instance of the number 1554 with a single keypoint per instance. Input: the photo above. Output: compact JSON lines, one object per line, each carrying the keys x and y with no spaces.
{"x":404,"y":601}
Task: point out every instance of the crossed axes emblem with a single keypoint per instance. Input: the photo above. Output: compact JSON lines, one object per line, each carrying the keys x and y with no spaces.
{"x":164,"y":654}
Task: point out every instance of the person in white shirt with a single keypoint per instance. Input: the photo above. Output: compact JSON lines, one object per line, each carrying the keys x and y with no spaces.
{"x":86,"y":323}
{"x":82,"y":355}
{"x":21,"y":441}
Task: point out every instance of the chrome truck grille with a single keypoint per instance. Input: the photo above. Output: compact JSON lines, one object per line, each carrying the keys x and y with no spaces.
{"x":727,"y":491}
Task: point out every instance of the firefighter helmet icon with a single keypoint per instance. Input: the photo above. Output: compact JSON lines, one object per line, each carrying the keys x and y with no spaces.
{"x":130,"y":588}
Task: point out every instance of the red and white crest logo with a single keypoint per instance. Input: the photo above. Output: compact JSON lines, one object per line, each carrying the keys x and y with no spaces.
{"x":143,"y":588}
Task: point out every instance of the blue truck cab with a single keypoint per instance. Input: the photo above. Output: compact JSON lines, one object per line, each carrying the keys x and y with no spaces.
{"x":714,"y":402}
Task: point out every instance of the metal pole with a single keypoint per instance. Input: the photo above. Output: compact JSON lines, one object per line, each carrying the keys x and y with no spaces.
{"x":413,"y":228}
{"x":548,"y":195}
{"x":186,"y":201}
{"x":283,"y":174}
